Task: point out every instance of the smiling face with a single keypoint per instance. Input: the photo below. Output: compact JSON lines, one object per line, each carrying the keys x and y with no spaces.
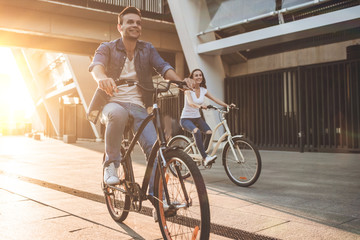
{"x":131,"y":26}
{"x":198,"y":76}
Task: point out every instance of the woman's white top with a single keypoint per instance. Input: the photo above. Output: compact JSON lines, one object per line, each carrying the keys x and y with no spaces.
{"x":191,"y":112}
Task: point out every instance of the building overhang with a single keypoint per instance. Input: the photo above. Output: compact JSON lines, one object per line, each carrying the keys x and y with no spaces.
{"x":64,"y":28}
{"x":326,"y":23}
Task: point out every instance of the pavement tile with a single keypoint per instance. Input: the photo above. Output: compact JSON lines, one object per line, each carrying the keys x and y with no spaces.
{"x":250,"y":222}
{"x":298,"y":195}
{"x":300,"y":231}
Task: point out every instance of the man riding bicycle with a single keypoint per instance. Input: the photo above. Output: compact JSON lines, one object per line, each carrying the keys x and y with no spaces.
{"x":126,"y":58}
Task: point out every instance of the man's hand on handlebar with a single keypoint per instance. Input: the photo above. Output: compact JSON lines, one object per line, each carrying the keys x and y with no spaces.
{"x":149,"y":109}
{"x":108,"y":85}
{"x":189,"y":83}
{"x":182,"y":85}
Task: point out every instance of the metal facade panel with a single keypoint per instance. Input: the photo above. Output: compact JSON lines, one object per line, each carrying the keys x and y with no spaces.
{"x":311,"y":108}
{"x":342,"y":19}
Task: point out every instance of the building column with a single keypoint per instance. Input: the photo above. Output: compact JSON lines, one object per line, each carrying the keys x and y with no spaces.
{"x":179,"y":64}
{"x":191,"y":17}
{"x":85,"y":84}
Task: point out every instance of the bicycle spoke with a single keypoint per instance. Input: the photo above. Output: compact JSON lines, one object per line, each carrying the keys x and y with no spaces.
{"x":247,"y":171}
{"x":117,"y":200}
{"x":187,"y":212}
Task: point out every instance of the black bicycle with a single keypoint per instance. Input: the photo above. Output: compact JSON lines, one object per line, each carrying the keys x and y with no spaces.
{"x":181,"y":204}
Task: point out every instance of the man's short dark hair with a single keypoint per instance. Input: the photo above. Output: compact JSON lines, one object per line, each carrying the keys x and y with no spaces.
{"x":126,"y":11}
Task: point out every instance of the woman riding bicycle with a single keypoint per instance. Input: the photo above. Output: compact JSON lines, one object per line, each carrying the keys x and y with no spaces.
{"x":191,"y":119}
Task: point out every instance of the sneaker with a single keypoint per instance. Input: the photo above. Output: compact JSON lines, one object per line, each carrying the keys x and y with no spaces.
{"x":110,"y":175}
{"x":209,"y":160}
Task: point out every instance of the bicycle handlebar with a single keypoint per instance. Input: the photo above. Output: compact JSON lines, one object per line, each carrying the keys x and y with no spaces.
{"x":180,"y":84}
{"x":221,"y":110}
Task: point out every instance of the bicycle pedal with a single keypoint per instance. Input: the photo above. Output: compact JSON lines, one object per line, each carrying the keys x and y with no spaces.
{"x":105,"y":189}
{"x":171,"y":212}
{"x":209,"y":166}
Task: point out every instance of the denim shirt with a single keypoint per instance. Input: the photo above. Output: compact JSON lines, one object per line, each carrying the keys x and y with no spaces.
{"x":112,"y":56}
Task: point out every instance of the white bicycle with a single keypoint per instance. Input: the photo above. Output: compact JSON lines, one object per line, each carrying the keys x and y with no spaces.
{"x":240,"y":158}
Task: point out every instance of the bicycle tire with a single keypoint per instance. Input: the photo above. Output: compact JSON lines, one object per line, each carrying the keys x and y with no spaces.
{"x":118,"y":202}
{"x":247,"y":172}
{"x":186,"y":222}
{"x":182,"y":143}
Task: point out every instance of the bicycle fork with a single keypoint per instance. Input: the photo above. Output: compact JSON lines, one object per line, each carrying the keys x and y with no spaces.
{"x":162,"y":161}
{"x":231,"y":143}
{"x":162,"y":164}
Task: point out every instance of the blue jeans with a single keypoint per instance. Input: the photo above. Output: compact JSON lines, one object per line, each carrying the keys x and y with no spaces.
{"x":116,"y":115}
{"x":189,"y":124}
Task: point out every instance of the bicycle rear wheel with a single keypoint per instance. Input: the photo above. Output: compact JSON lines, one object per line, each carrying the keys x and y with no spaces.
{"x":243,"y":163}
{"x":188,"y":214}
{"x":116,"y":199}
{"x":182,"y":143}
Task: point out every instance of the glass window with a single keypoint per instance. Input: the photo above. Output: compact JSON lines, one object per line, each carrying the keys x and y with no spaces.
{"x":290,"y":3}
{"x":224,"y":12}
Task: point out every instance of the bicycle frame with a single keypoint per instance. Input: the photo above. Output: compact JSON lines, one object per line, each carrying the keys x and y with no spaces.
{"x":226,"y":136}
{"x":158,"y":147}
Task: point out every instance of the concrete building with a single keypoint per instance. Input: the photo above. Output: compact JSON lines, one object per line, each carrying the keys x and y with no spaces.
{"x":292,"y":66}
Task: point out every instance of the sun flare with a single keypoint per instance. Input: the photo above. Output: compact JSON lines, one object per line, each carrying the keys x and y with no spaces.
{"x":16,"y":106}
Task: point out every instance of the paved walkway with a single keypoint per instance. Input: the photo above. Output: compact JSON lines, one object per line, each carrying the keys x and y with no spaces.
{"x":51,"y":190}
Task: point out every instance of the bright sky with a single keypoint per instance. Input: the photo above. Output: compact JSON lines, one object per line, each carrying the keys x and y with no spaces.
{"x":16,"y":104}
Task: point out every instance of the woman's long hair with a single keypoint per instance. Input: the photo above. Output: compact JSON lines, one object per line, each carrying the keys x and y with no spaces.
{"x":203,"y":83}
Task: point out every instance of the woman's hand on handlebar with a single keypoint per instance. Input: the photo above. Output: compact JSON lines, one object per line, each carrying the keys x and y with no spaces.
{"x":232,"y":105}
{"x":203,"y":106}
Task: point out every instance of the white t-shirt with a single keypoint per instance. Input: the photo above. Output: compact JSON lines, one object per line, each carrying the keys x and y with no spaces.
{"x":128,"y":93}
{"x":191,"y":112}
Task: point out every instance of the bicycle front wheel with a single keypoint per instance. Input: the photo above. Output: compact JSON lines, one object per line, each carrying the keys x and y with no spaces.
{"x":242,"y":163}
{"x":187,"y":216}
